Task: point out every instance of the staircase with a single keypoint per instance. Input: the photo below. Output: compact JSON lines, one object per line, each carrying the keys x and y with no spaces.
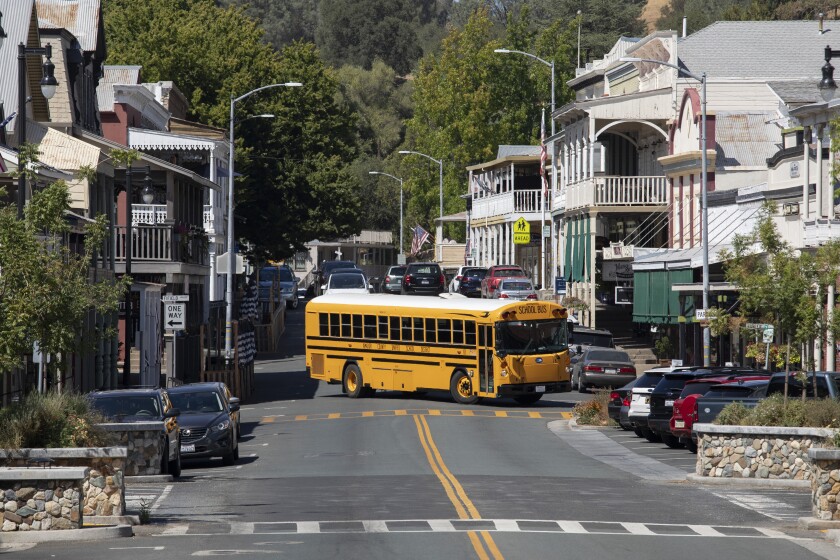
{"x":618,"y":319}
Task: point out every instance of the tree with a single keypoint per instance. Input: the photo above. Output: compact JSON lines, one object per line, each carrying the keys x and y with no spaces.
{"x":45,"y":289}
{"x":284,"y":22}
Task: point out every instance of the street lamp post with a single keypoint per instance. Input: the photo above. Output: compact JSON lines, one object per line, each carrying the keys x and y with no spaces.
{"x":231,"y":254}
{"x":48,"y":85}
{"x":440,"y":181}
{"x":401,"y":205}
{"x":704,"y":187}
{"x":544,"y":204}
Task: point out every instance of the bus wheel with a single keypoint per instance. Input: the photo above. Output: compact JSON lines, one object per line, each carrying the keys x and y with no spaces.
{"x":461,"y":388}
{"x":528,"y":399}
{"x":353,"y":382}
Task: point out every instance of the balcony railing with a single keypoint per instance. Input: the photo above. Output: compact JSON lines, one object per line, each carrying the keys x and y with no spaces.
{"x":516,"y":202}
{"x":152,"y":214}
{"x":213,"y":220}
{"x":617,"y":191}
{"x":817,"y":232}
{"x":161,"y":244}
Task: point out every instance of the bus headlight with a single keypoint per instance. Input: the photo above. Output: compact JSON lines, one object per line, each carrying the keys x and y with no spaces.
{"x":504,"y":373}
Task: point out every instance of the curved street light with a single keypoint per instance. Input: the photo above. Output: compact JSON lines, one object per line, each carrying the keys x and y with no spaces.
{"x":707,"y":357}
{"x":547,"y":63}
{"x":440,"y":176}
{"x":231,"y":254}
{"x":401,"y":204}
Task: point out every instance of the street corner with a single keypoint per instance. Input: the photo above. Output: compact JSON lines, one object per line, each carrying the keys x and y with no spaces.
{"x":67,"y":535}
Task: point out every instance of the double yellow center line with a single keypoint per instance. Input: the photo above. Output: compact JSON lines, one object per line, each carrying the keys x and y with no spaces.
{"x":455,"y":492}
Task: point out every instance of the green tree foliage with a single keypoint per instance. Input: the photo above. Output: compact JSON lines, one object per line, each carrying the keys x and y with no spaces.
{"x":284,"y":22}
{"x":45,"y":289}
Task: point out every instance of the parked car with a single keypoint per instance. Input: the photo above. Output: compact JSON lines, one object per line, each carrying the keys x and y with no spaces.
{"x":142,"y":405}
{"x":423,"y":278}
{"x":639,"y":409}
{"x":602,"y":367}
{"x":326,"y":269}
{"x":284,"y":279}
{"x":208,"y":421}
{"x":470,"y":282}
{"x":346,"y":283}
{"x":392,"y":283}
{"x":581,"y":338}
{"x":684,"y":411}
{"x":619,"y":399}
{"x":456,"y":279}
{"x":515,"y":289}
{"x":494,"y":276}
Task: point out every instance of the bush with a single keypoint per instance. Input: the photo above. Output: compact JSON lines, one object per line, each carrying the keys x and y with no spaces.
{"x":813,"y":413}
{"x":594,"y":412}
{"x":50,"y":420}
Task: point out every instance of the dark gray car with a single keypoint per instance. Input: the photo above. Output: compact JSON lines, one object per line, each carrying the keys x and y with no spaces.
{"x":208,"y":422}
{"x":392,"y":283}
{"x":603,"y":367}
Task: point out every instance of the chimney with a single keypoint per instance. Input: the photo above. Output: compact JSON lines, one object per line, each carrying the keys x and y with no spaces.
{"x":685,"y":25}
{"x":822,"y":16}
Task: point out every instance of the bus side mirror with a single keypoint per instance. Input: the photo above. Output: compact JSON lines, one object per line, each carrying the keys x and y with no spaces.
{"x":501,"y":354}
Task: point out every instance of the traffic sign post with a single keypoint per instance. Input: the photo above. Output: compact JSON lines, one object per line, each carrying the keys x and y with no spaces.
{"x":175,"y":316}
{"x":169,"y":298}
{"x":521,"y":232}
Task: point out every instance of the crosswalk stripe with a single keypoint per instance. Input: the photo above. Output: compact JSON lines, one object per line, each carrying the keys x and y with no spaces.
{"x":638,"y":529}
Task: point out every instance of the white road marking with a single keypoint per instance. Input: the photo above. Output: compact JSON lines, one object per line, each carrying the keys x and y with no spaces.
{"x":705,"y":530}
{"x":137,"y":548}
{"x":309,"y":527}
{"x":571,"y":527}
{"x":162,"y":496}
{"x":637,"y":529}
{"x":765,"y":505}
{"x":180,"y":529}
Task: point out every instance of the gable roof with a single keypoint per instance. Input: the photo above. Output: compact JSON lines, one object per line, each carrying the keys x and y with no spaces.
{"x":111,"y":76}
{"x":746,"y":139}
{"x":79,"y":17}
{"x":758,"y":49}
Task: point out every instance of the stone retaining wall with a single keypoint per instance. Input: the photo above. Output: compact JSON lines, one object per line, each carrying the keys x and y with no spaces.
{"x":103,"y":488}
{"x":145,"y":442}
{"x":825,"y":484}
{"x":769,"y":452}
{"x":36,"y":499}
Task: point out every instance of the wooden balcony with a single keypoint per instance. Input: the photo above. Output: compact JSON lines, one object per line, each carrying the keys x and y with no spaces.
{"x":515,"y":202}
{"x":818,"y":232}
{"x":160,"y":244}
{"x":148,"y":214}
{"x":646,"y":191}
{"x":213,"y":220}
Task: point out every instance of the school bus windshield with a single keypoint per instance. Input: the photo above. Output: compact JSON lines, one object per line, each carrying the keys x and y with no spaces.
{"x":532,"y":337}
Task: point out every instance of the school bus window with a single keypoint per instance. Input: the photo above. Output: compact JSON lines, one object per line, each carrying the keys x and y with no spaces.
{"x":323,"y":324}
{"x":383,"y":327}
{"x":444,"y":331}
{"x":335,"y":325}
{"x":370,"y":326}
{"x":345,"y":326}
{"x":457,"y":331}
{"x":482,"y":339}
{"x":357,"y":326}
{"x":418,"y":330}
{"x":430,"y":330}
{"x":469,"y":333}
{"x":406,"y":329}
{"x":395,"y":329}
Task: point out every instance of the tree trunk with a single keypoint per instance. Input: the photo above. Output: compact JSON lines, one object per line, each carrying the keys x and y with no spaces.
{"x":787,"y":370}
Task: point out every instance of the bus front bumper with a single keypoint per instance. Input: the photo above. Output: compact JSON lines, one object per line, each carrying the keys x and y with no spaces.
{"x":531,"y":388}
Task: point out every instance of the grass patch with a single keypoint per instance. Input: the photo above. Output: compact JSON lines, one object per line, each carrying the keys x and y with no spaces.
{"x":594,"y":412}
{"x":813,"y":413}
{"x":50,"y":420}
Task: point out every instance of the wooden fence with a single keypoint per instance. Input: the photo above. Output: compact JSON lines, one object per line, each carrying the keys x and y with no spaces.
{"x":238,"y":374}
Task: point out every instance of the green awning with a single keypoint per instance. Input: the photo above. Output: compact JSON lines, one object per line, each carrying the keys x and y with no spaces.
{"x":653,"y":300}
{"x":568,"y":270}
{"x":585,"y":271}
{"x":578,"y":257}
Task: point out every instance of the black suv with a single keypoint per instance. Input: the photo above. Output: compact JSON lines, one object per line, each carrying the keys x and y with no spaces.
{"x":470,"y":283}
{"x":144,"y":405}
{"x":209,"y":421}
{"x":327,"y":268}
{"x":423,"y":278}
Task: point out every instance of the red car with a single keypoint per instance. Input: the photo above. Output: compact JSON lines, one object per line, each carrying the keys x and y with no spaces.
{"x":684,"y":414}
{"x":495,"y":274}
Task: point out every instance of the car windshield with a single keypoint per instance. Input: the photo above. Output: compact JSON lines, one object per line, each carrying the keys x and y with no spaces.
{"x":732,"y":392}
{"x":531,"y":337}
{"x":478,"y":273}
{"x":607,"y":356}
{"x":127,"y":405}
{"x":425,"y":269}
{"x":285,"y":275}
{"x":197,"y":402}
{"x":649,"y":379}
{"x":397,"y":271}
{"x":592,"y":339}
{"x":510,"y":272}
{"x":343,"y":281}
{"x":268,"y":274}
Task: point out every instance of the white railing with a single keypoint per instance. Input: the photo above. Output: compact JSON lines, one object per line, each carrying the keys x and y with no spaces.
{"x":150,"y":243}
{"x":617,"y":191}
{"x":516,"y":202}
{"x":213,"y":220}
{"x":152,"y":214}
{"x":817,"y":232}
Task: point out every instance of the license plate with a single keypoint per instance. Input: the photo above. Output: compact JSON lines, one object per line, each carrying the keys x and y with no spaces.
{"x":679,"y":424}
{"x":424,"y":282}
{"x":609,"y":370}
{"x":539,"y":389}
{"x":188,"y":449}
{"x":669,"y":403}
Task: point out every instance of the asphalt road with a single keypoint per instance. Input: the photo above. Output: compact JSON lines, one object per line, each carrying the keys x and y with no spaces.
{"x":321,"y":476}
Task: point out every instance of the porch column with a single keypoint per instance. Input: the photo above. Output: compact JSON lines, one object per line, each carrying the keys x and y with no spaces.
{"x":818,"y":340}
{"x":830,"y":350}
{"x":211,"y":237}
{"x":829,"y":188}
{"x":593,"y":220}
{"x":806,"y":172}
{"x":820,"y":173}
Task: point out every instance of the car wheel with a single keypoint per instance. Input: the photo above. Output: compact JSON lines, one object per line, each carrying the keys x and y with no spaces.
{"x":529,"y":399}
{"x":691,"y":445}
{"x":625,"y":427}
{"x":354,"y":383}
{"x":639,"y":432}
{"x":229,"y":458}
{"x":581,"y":386}
{"x":461,"y":388}
{"x":574,"y":381}
{"x":175,"y":465}
{"x":294,"y":303}
{"x":650,"y":435}
{"x":671,"y":441}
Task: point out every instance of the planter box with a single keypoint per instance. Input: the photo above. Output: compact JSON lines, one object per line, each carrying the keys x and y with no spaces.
{"x":146,"y":445}
{"x":825,"y":483}
{"x":37,"y":499}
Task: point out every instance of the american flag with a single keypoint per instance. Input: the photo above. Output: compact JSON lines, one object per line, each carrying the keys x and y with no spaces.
{"x":543,"y":157}
{"x":419,"y":237}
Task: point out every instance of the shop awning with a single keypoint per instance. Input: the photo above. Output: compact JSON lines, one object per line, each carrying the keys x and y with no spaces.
{"x":653,"y":300}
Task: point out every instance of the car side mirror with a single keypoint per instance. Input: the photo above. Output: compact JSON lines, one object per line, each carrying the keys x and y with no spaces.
{"x":172,"y":413}
{"x":234,"y":404}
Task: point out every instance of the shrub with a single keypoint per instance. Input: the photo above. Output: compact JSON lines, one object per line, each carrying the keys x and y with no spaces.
{"x":50,"y":420}
{"x":732,"y":415}
{"x":594,"y":412}
{"x":813,"y":413}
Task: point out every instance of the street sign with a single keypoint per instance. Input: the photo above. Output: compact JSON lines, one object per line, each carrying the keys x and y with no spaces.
{"x":521,"y":232}
{"x":767,"y":335}
{"x":700,"y":314}
{"x":546,"y":231}
{"x":175,"y":316}
{"x":169,"y":298}
{"x":758,"y":326}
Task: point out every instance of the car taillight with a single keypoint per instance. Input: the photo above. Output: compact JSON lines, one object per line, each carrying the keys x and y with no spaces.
{"x":442,"y":280}
{"x":408,"y":279}
{"x":695,"y":413}
{"x":503,"y":296}
{"x":626,"y":401}
{"x":387,"y":278}
{"x":458,"y":278}
{"x":614,"y":396}
{"x":593,"y":368}
{"x":627,"y":370}
{"x":532,"y":296}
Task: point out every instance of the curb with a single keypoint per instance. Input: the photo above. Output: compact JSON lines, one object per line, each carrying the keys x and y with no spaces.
{"x":149,"y":478}
{"x":749,"y":482}
{"x":111,"y":520}
{"x":821,"y":524}
{"x":575,"y":426}
{"x":85,"y":534}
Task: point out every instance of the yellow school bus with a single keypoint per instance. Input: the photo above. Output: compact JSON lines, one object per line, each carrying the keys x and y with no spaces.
{"x":473,"y":348}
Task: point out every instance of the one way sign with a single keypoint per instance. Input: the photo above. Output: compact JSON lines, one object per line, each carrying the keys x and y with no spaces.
{"x":176,"y":314}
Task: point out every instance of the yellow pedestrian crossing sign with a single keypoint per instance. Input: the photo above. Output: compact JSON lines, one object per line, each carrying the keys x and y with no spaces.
{"x":521,"y":232}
